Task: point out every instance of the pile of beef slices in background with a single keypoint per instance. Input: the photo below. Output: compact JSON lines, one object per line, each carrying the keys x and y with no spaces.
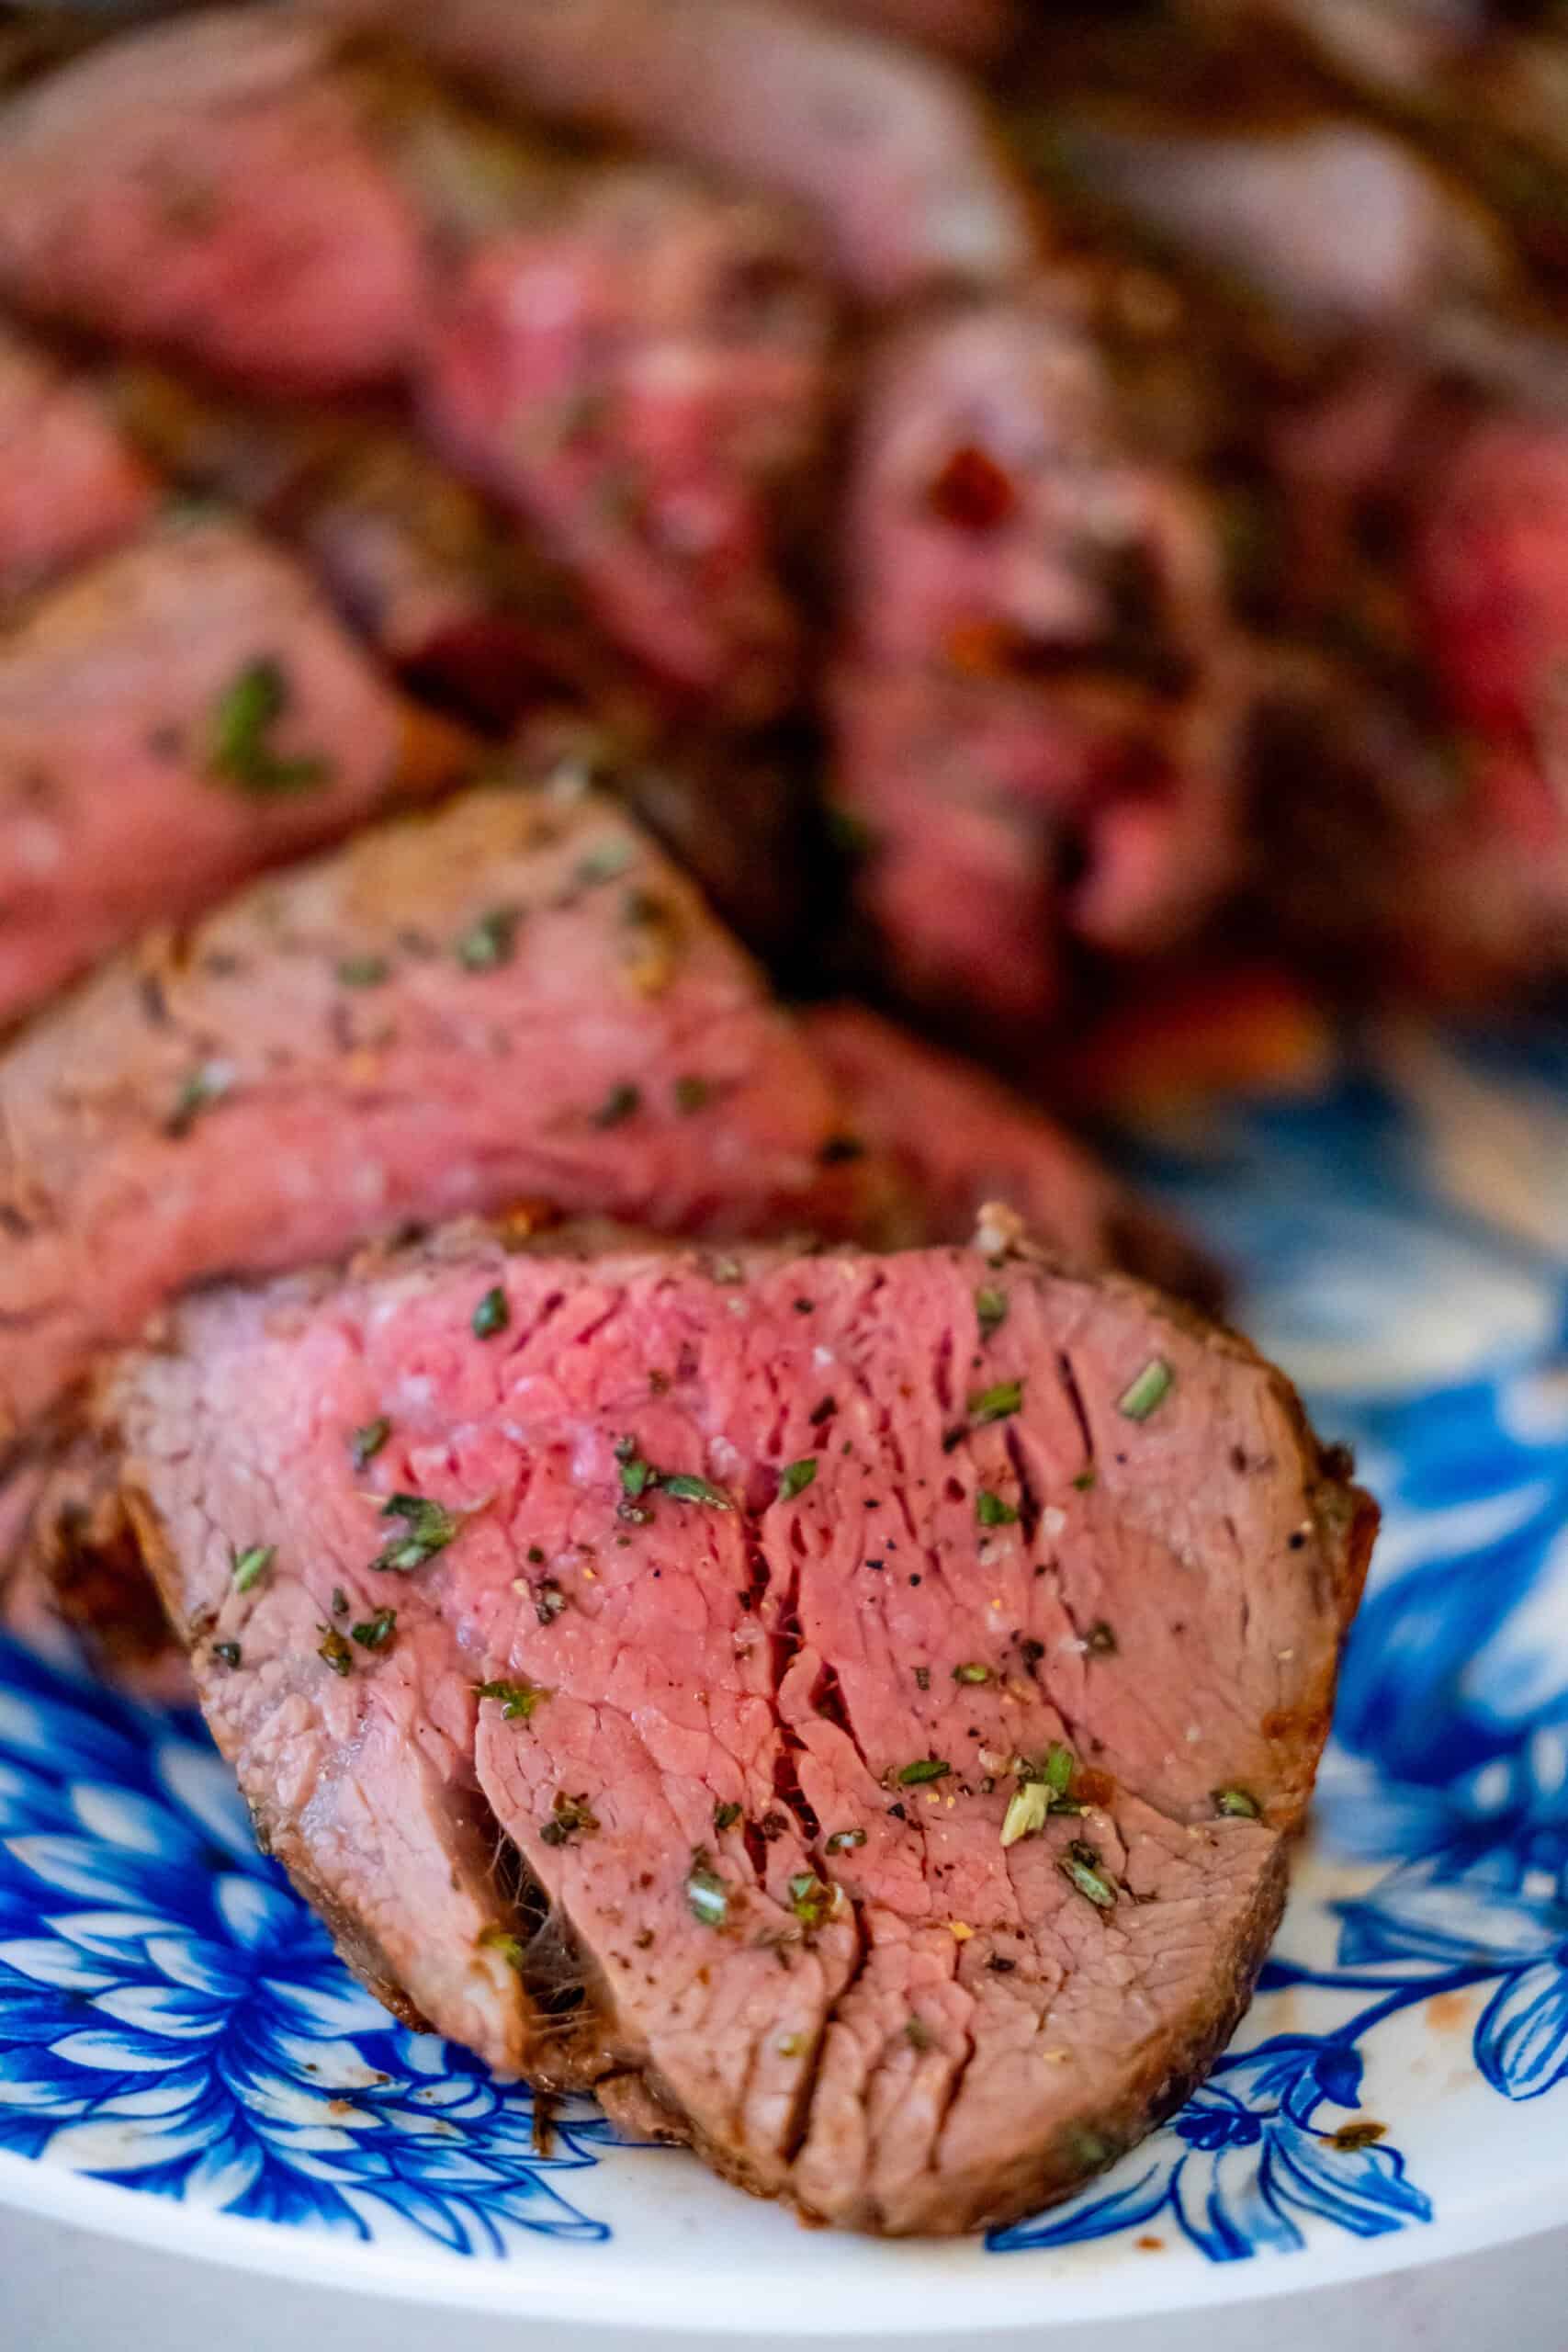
{"x":507,"y":516}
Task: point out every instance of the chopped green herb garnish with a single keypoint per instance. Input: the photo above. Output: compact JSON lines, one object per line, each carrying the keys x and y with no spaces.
{"x":603,"y":864}
{"x":518,"y":1699}
{"x":548,"y":1602}
{"x":363,"y":971}
{"x":365,"y":1443}
{"x":923,"y":1677}
{"x":996,"y":1404}
{"x":228,"y":1652}
{"x":692,"y":1094}
{"x":687,"y":1490}
{"x":334,"y":1651}
{"x":972,"y":1672}
{"x":375,"y":1632}
{"x":811,"y":1901}
{"x":619,"y":1104}
{"x":924,"y":1767}
{"x":506,"y":1946}
{"x":918,"y":2033}
{"x":843,"y":1841}
{"x":251,"y":1565}
{"x":1085,"y":1480}
{"x":1081,"y":1865}
{"x":992,"y":1511}
{"x":1058,"y":1768}
{"x":725,"y":1816}
{"x":491,"y":941}
{"x":198,"y":1091}
{"x":429,"y":1528}
{"x":1144,"y":1396}
{"x":240,"y":752}
{"x":569,"y":1817}
{"x":492,"y":1315}
{"x":990,"y":1311}
{"x":340,"y":1601}
{"x":797,"y":1477}
{"x":636,"y":1474}
{"x":1101,"y":1640}
{"x":1238,"y":1804}
{"x":706,"y":1894}
{"x":1027,"y":1809}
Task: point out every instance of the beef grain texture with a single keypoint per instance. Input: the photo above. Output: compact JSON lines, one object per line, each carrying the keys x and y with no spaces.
{"x":515,"y":996}
{"x":765,"y":1724}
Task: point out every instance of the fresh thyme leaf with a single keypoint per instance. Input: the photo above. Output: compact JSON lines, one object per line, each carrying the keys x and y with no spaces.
{"x":1145,"y":1394}
{"x":992,"y":1511}
{"x":570,"y":1818}
{"x":1238,"y":1804}
{"x":376,"y":1631}
{"x":972,"y":1672}
{"x":725,"y":1816}
{"x":844,"y":1841}
{"x":198,"y":1091}
{"x":491,"y":941}
{"x":492,"y":1315}
{"x":684,"y":1488}
{"x":251,"y":1565}
{"x":924,"y":1767}
{"x":998,"y":1403}
{"x":1081,"y":1865}
{"x":810,"y":1900}
{"x":518,"y":1699}
{"x":428,"y":1527}
{"x":240,"y":750}
{"x":228,"y":1652}
{"x":706,"y":1893}
{"x":990,"y":1311}
{"x":797,"y":1477}
{"x":365,"y":1443}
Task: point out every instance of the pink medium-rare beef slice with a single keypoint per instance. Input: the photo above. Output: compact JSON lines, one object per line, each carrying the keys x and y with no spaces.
{"x":890,"y":153}
{"x":514,"y":998}
{"x":209,"y":188}
{"x":70,"y":487}
{"x":900,"y":1675}
{"x":961,"y":1141}
{"x":175,"y":718}
{"x":641,"y":375}
{"x":1040,"y":688}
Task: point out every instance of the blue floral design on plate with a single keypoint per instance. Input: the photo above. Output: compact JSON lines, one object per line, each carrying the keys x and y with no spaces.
{"x":173,"y":2018}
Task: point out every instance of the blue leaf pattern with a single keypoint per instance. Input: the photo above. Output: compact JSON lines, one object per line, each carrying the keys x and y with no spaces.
{"x":172,"y":2017}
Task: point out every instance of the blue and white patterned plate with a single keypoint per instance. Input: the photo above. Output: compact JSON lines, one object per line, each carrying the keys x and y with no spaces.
{"x":183,"y":2061}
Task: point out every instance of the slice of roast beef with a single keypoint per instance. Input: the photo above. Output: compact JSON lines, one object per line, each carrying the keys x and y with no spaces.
{"x":1038,"y":703}
{"x":173,"y":719}
{"x":209,"y":188}
{"x":898,"y":1677}
{"x":517,"y":997}
{"x":891,"y":152}
{"x":960,"y":1140}
{"x":69,"y":485}
{"x":640,"y":373}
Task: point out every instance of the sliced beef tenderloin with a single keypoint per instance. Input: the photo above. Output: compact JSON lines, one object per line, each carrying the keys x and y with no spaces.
{"x":210,"y":188}
{"x":900,"y":1678}
{"x":516,"y":998}
{"x":889,"y":151}
{"x":1038,"y":703}
{"x":971,"y":27}
{"x":70,"y":487}
{"x":174,"y":717}
{"x":960,"y":1140}
{"x":640,"y":372}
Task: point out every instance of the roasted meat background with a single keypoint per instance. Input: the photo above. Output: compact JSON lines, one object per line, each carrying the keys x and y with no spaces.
{"x":1048,"y":529}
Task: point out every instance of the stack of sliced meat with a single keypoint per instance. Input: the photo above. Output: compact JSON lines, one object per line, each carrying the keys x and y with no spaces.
{"x":887,"y":1649}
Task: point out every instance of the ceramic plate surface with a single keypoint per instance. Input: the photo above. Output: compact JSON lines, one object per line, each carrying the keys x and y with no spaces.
{"x":182,"y":2059}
